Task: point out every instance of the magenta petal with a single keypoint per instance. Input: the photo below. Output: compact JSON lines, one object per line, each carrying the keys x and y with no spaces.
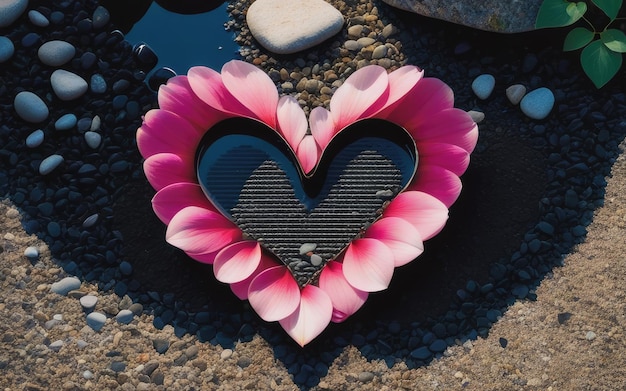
{"x":164,"y":169}
{"x":368,"y":265}
{"x":438,"y":182}
{"x":166,"y":132}
{"x":401,"y":82}
{"x":253,"y":88}
{"x":346,"y":299}
{"x":322,"y":126}
{"x":237,"y":262}
{"x":207,"y":258}
{"x":207,"y":84}
{"x":425,"y":212}
{"x":308,"y":152}
{"x":240,"y":289}
{"x":291,"y":121}
{"x":201,"y":231}
{"x":450,"y":126}
{"x":178,"y":97}
{"x":311,"y":317}
{"x":449,"y":156}
{"x":274,"y":294}
{"x":402,"y":238}
{"x":173,"y":198}
{"x":363,"y":93}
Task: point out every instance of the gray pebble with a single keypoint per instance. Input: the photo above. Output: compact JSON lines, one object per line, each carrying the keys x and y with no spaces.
{"x":88,"y":302}
{"x":160,"y":345}
{"x":10,"y":10}
{"x":366,"y":377}
{"x":35,"y":139}
{"x":38,"y":19}
{"x":483,"y":86}
{"x":477,"y":116}
{"x":67,"y":121}
{"x":590,"y":336}
{"x":81,"y":344}
{"x":67,"y":85}
{"x":90,"y":221}
{"x":307,"y":247}
{"x":124,"y":316}
{"x":30,"y":107}
{"x":65,"y":285}
{"x":6,"y":49}
{"x":56,"y":53}
{"x":356,"y":30}
{"x":537,"y":104}
{"x":136,"y":308}
{"x":100,"y":17}
{"x":379,"y":52}
{"x":118,"y":366}
{"x":365,"y":41}
{"x":96,"y":320}
{"x":83,"y":124}
{"x":56,"y":345}
{"x":352,"y":45}
{"x":316,"y":260}
{"x":97,"y":84}
{"x":226,"y":353}
{"x":87,"y":374}
{"x":389,"y":30}
{"x":126,"y":268}
{"x":93,"y":139}
{"x":31,"y":252}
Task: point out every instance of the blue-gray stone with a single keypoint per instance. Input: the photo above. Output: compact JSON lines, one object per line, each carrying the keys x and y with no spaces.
{"x":119,"y":101}
{"x":96,"y":320}
{"x":38,"y":19}
{"x":520,"y":291}
{"x":537,"y":104}
{"x":6,"y":49}
{"x":438,"y":346}
{"x":421,"y":353}
{"x":66,"y":285}
{"x":83,"y":124}
{"x":88,"y":302}
{"x":97,"y":84}
{"x":67,"y":85}
{"x":54,"y":229}
{"x":91,"y":220}
{"x":48,"y":164}
{"x":124,"y":316}
{"x":160,"y":345}
{"x":67,"y":121}
{"x":93,"y":139}
{"x":483,"y":86}
{"x":30,"y":39}
{"x":126,"y":268}
{"x":10,"y":10}
{"x":30,"y":107}
{"x":579,"y":231}
{"x":57,"y":17}
{"x":35,"y":139}
{"x":100,"y":17}
{"x":118,"y":366}
{"x":31,"y":252}
{"x":56,"y":53}
{"x":546,"y":228}
{"x":534,"y":246}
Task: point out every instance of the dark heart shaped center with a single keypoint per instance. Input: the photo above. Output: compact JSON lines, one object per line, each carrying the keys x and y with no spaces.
{"x":250,"y":173}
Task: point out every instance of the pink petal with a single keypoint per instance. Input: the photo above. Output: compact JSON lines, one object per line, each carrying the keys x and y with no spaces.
{"x":253,"y":88}
{"x":173,"y":198}
{"x":178,"y":97}
{"x":450,"y":126}
{"x":207,"y":258}
{"x":308,"y":152}
{"x":201,"y":231}
{"x":291,"y":121}
{"x":322,"y":126}
{"x":438,"y":182}
{"x":237,"y":262}
{"x":345,"y":298}
{"x":207,"y":84}
{"x":240,"y":289}
{"x":166,"y":132}
{"x":274,"y":294}
{"x":368,"y":265}
{"x":311,"y":317}
{"x":423,"y":211}
{"x":401,"y":82}
{"x":164,"y":169}
{"x":449,"y":156}
{"x":362,"y":94}
{"x":400,"y":236}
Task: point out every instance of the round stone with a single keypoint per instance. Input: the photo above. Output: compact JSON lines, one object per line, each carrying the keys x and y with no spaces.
{"x":56,"y":53}
{"x":90,"y":221}
{"x":48,"y":164}
{"x":307,"y":247}
{"x":35,"y":139}
{"x":100,"y":17}
{"x":125,"y":316}
{"x":31,"y":252}
{"x":483,"y":86}
{"x":38,"y":19}
{"x":537,"y":104}
{"x":88,"y":302}
{"x":6,"y":49}
{"x":67,"y":121}
{"x":67,"y":85}
{"x":93,"y":139}
{"x":97,"y":84}
{"x":379,"y":52}
{"x":477,"y":116}
{"x":10,"y":10}
{"x":352,"y":45}
{"x":30,"y":107}
{"x":515,"y":93}
{"x":96,"y":320}
{"x":365,"y":41}
{"x":66,"y":285}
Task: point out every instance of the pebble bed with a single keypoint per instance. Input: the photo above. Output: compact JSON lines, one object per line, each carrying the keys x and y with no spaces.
{"x":65,"y":168}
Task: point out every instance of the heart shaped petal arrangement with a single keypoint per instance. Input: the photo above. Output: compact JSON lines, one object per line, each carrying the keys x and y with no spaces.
{"x":294,"y":278}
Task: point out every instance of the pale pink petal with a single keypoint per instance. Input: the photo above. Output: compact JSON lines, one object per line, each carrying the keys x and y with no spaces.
{"x":253,"y":88}
{"x":237,"y":261}
{"x":274,"y":294}
{"x":402,"y":238}
{"x":173,"y":198}
{"x":401,"y":82}
{"x":201,"y":231}
{"x":438,"y":182}
{"x":308,"y":152}
{"x":292,"y":122}
{"x":311,"y":317}
{"x":164,"y":169}
{"x":207,"y":84}
{"x":426,"y":213}
{"x":368,"y":265}
{"x":240,"y":289}
{"x":363,"y":93}
{"x":322,"y":126}
{"x":166,"y":132}
{"x":449,"y":156}
{"x":178,"y":97}
{"x":346,"y":299}
{"x":450,"y":126}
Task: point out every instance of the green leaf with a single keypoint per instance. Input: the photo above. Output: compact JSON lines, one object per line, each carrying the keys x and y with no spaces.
{"x":559,"y":13}
{"x":614,"y":39}
{"x":600,"y":63}
{"x":577,"y":38}
{"x":609,"y":7}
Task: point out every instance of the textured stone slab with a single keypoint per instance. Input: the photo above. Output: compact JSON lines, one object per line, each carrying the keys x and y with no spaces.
{"x":291,"y":26}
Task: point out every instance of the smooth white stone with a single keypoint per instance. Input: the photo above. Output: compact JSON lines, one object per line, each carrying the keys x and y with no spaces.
{"x":48,"y":164}
{"x":88,"y":301}
{"x":30,"y":107}
{"x":537,"y":104}
{"x":307,"y":247}
{"x":6,"y":49}
{"x":31,"y":252}
{"x":56,"y":53}
{"x":483,"y":86}
{"x":477,"y":116}
{"x":35,"y":139}
{"x":316,"y":260}
{"x":95,"y":123}
{"x":93,"y":139}
{"x":65,"y":285}
{"x":38,"y":19}
{"x":96,"y":320}
{"x":515,"y":93}
{"x":10,"y":10}
{"x":291,"y":26}
{"x":67,"y":85}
